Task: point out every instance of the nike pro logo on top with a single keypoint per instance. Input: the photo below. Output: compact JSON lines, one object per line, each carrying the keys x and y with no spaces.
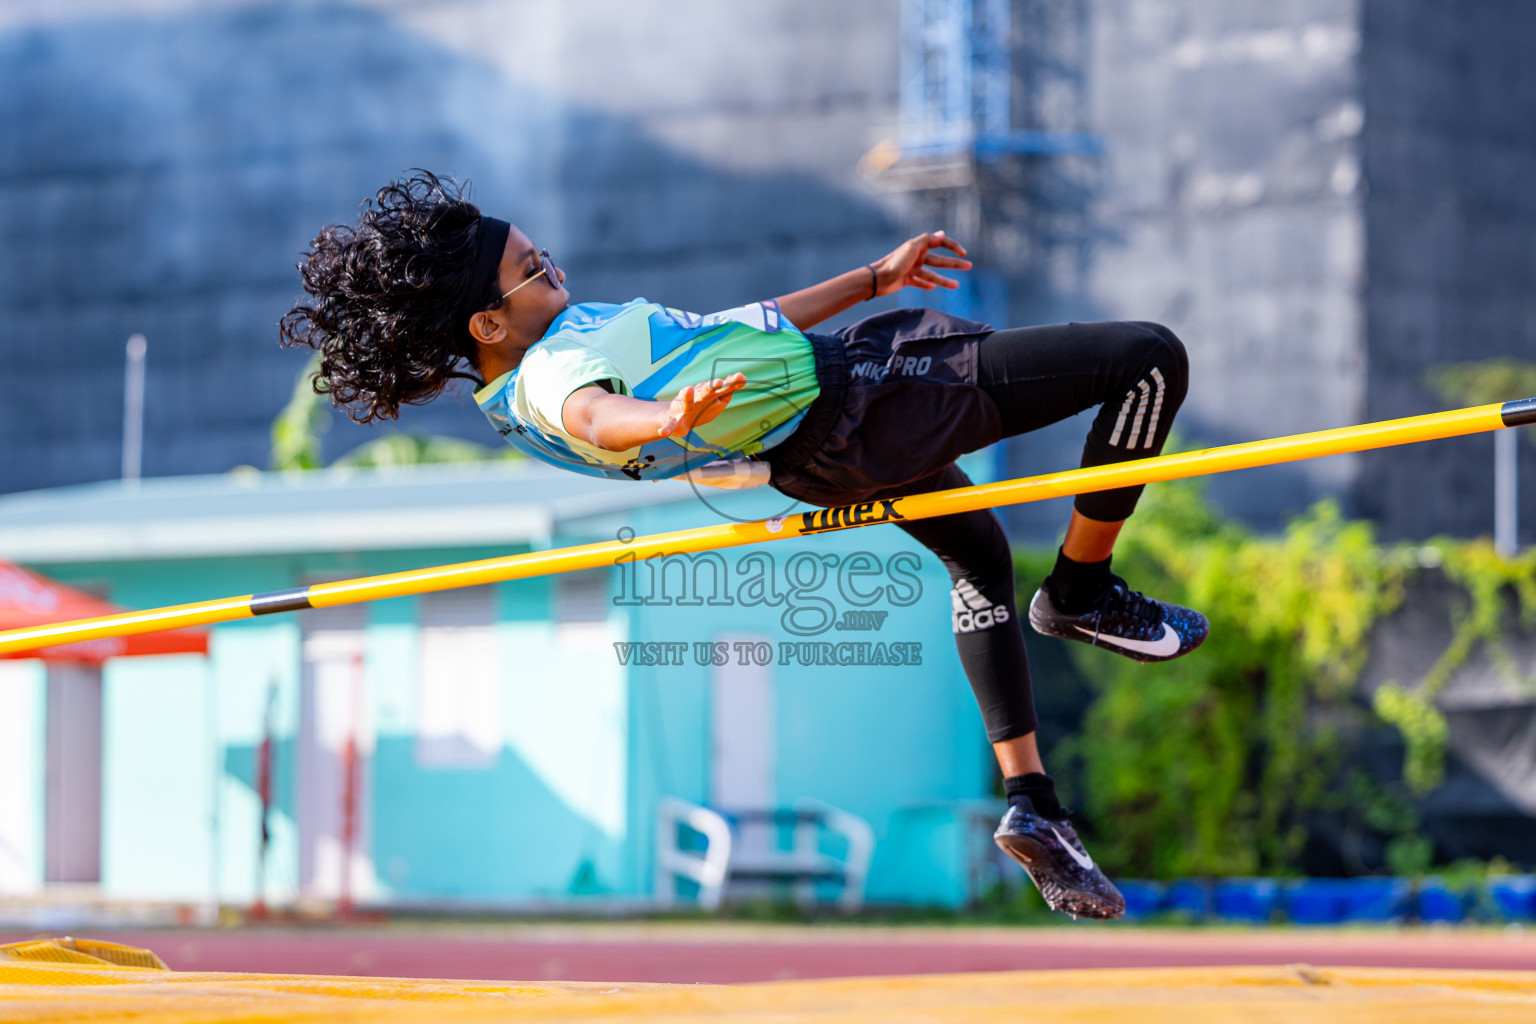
{"x":1083,"y":860}
{"x":1164,"y":646}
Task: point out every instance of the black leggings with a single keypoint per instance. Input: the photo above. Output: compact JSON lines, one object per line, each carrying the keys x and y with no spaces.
{"x":1137,"y":373}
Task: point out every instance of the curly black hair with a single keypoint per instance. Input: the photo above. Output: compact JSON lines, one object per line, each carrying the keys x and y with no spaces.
{"x":388,"y":316}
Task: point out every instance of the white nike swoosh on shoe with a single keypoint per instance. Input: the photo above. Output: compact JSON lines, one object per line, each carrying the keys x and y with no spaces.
{"x":1083,"y":860}
{"x":1164,"y":645}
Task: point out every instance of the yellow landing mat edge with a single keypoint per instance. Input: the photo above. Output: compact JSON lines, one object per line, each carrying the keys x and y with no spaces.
{"x":35,"y":987}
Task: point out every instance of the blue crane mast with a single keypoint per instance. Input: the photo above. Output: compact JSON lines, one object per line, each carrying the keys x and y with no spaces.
{"x":989,"y":90}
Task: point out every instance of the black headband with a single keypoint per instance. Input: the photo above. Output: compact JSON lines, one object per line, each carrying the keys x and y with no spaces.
{"x":490,"y":243}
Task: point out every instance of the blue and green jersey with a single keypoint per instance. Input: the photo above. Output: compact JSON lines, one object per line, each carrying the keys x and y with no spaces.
{"x":648,"y":351}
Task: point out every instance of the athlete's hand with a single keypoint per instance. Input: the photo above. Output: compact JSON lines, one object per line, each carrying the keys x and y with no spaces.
{"x":908,"y":265}
{"x":699,"y":404}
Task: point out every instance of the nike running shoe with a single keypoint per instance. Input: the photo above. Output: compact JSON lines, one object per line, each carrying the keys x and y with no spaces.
{"x":1124,"y":621}
{"x":1057,"y":863}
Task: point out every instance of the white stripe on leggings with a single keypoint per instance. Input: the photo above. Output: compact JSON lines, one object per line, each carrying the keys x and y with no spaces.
{"x":1157,"y":408}
{"x":1141,"y":408}
{"x":1125,"y":409}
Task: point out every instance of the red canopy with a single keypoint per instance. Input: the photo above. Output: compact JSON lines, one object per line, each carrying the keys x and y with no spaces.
{"x":27,"y":599}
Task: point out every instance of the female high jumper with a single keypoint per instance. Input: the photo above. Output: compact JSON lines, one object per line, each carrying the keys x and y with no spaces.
{"x":425,"y":289}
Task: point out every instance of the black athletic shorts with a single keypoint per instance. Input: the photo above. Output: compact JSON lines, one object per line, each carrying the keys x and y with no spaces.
{"x":899,"y":402}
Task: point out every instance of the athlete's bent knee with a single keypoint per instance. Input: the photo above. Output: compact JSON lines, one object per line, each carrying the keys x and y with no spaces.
{"x":1169,"y":348}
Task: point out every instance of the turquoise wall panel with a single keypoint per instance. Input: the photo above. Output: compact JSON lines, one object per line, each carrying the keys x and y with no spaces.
{"x":546,"y":819}
{"x":883,"y":742}
{"x":566,"y":808}
{"x":253,"y":663}
{"x":159,"y":758}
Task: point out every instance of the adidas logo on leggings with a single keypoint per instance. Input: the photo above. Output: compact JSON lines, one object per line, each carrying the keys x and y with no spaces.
{"x":970,"y":611}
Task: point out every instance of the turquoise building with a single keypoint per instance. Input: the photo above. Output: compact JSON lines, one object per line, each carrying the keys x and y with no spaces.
{"x":498,"y":746}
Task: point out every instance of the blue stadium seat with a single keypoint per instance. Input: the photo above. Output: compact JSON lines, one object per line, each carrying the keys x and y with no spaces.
{"x":1438,"y":902}
{"x":1316,"y":900}
{"x":1189,"y":896}
{"x":1142,"y":899}
{"x":1514,"y":896}
{"x":1376,"y":899}
{"x":1247,"y":899}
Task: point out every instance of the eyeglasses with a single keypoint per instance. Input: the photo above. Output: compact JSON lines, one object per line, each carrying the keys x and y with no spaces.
{"x":546,"y":270}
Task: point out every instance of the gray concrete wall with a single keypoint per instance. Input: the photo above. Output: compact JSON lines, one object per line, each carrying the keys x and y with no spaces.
{"x":1326,"y":198}
{"x":1450,"y":158}
{"x":164,"y":163}
{"x":1230,"y":211}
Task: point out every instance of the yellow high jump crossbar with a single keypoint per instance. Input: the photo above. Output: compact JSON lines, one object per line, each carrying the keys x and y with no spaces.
{"x":1294,"y":448}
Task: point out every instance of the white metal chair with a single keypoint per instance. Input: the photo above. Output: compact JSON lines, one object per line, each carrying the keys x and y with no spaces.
{"x":707,"y":869}
{"x":725,"y":858}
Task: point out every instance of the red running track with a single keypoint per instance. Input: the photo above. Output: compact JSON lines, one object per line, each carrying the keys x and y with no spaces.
{"x":725,"y":954}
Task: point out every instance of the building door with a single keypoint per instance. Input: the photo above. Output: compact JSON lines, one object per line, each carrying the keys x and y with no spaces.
{"x":72,"y":775}
{"x":741,"y":730}
{"x":459,"y":680}
{"x":336,"y":741}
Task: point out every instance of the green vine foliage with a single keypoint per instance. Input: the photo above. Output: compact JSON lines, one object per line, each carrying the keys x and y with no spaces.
{"x":1206,"y":765}
{"x":1481,"y":383}
{"x":396,"y":449}
{"x":1211,"y":765}
{"x":1423,"y":729}
{"x":298,"y":430}
{"x":1486,"y":577}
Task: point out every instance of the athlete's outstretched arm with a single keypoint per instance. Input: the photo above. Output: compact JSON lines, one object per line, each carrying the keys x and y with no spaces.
{"x":906,"y":265}
{"x":619,"y":423}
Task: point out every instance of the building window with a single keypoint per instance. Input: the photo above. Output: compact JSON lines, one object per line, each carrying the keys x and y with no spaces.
{"x":72,"y":810}
{"x":582,"y":596}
